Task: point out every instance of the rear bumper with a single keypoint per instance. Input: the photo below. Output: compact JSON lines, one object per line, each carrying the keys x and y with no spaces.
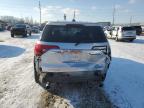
{"x":73,"y":68}
{"x":59,"y":74}
{"x":59,"y":65}
{"x":127,"y":37}
{"x":19,"y":33}
{"x":72,"y":76}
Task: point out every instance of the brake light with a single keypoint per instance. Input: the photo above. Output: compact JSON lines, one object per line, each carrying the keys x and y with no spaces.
{"x":41,"y":49}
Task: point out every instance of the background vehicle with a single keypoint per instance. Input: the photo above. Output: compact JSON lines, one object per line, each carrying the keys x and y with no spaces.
{"x":108,"y":32}
{"x":142,"y":28}
{"x":35,"y":29}
{"x":123,"y":33}
{"x":1,"y":27}
{"x":9,"y":27}
{"x":21,"y":29}
{"x":138,"y":29}
{"x":70,"y":51}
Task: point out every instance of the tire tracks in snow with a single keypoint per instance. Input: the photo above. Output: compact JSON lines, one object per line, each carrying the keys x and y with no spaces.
{"x":75,"y":95}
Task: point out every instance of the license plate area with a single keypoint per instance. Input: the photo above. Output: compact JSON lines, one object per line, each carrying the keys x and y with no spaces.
{"x":128,"y":33}
{"x":71,"y":56}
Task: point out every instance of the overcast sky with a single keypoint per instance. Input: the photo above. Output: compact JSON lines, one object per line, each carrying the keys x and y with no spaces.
{"x":86,"y":10}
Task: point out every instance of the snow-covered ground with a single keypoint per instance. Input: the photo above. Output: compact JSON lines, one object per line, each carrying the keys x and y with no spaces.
{"x":124,"y":84}
{"x":17,"y":86}
{"x":4,"y":35}
{"x":125,"y":79}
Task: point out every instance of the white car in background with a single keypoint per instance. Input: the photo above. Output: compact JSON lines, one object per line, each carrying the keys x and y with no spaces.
{"x":1,"y":28}
{"x":107,"y":31}
{"x":123,"y":33}
{"x":142,"y":28}
{"x":35,"y":29}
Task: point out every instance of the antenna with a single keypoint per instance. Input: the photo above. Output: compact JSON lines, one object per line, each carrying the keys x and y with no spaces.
{"x":74,"y":17}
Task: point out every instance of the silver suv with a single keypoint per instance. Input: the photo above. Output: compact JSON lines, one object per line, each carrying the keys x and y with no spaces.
{"x":71,"y":52}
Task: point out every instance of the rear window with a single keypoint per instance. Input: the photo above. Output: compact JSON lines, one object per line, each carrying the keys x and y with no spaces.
{"x":137,"y":27}
{"x":20,"y":26}
{"x":128,"y":28}
{"x":73,"y":34}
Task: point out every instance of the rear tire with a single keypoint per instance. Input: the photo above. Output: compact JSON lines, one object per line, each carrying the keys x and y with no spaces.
{"x":102,"y":79}
{"x":101,"y":84}
{"x":25,"y":35}
{"x":12,"y":35}
{"x":131,"y":40}
{"x":36,"y":76}
{"x":30,"y":34}
{"x":117,"y":38}
{"x":111,"y":37}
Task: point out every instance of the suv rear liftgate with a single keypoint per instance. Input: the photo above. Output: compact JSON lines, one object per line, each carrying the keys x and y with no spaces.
{"x":73,"y":63}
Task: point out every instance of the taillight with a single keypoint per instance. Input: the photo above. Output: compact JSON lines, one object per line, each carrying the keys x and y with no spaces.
{"x":41,"y":49}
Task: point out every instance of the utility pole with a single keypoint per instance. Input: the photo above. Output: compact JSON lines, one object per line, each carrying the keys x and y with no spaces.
{"x":114,"y":11}
{"x":130,"y":20}
{"x":40,"y":11}
{"x":65,"y":17}
{"x":74,"y":17}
